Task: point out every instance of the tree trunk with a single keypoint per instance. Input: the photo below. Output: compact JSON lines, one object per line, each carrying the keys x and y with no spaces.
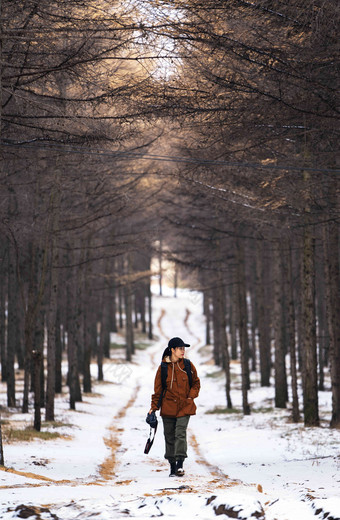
{"x":52,"y":318}
{"x":2,"y":460}
{"x":3,"y":324}
{"x":137,"y":306}
{"x":12,"y":294}
{"x":38,"y":344}
{"x":143,"y":319}
{"x":105,"y":330}
{"x":233,"y":318}
{"x":36,"y":358}
{"x":243,"y":320}
{"x":72,"y":346}
{"x":72,"y":369}
{"x":253,"y":328}
{"x":206,"y":310}
{"x":87,"y":322}
{"x":175,"y":279}
{"x":291,"y":331}
{"x":100,"y":357}
{"x":331,"y":244}
{"x":160,"y":256}
{"x":280,"y":363}
{"x":224,"y":340}
{"x":120,"y":307}
{"x":217,"y":345}
{"x":150,"y":333}
{"x":263,"y":321}
{"x":58,"y":354}
{"x":321,"y":320}
{"x":113,"y":309}
{"x":310,"y":377}
{"x":19,"y":336}
{"x":128,"y":322}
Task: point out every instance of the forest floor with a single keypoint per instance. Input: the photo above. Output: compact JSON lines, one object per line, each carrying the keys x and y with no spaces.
{"x":257,"y":466}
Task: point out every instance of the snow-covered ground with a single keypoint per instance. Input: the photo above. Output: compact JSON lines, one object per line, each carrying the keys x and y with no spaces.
{"x":259,"y":466}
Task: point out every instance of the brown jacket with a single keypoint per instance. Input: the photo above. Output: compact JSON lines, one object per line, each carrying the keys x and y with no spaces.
{"x":176,"y":402}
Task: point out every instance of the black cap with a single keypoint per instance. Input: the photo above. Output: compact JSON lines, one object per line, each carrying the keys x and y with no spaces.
{"x":177,"y":342}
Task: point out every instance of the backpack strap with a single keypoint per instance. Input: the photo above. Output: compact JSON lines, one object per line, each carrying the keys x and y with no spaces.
{"x":164,"y":374}
{"x":187,"y":367}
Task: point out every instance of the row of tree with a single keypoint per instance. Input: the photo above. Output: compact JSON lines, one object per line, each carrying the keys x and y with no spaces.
{"x":77,"y":222}
{"x":257,"y":203}
{"x":209,"y":127}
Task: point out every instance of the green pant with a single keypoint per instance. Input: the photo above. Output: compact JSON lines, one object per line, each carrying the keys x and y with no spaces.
{"x":175,"y":433}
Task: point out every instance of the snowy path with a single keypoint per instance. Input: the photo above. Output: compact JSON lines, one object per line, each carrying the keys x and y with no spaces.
{"x":249,"y":464}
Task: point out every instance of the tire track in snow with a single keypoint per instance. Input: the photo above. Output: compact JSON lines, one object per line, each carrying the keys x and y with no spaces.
{"x":160,"y":328}
{"x":215,"y":471}
{"x":219,"y":477}
{"x":107,"y":468}
{"x":34,"y":476}
{"x":186,"y":319}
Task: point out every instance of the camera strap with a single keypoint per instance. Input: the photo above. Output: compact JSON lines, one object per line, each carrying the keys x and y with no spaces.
{"x":150,"y":440}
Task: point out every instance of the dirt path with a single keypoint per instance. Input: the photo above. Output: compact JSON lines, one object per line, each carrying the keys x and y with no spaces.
{"x":107,"y":468}
{"x":190,"y":332}
{"x":218,"y":477}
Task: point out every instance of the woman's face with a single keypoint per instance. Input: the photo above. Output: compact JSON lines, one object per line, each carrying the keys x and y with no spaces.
{"x":178,"y":353}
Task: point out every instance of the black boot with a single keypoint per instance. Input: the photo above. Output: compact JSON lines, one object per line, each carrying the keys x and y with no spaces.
{"x":179,"y":468}
{"x":172,"y":469}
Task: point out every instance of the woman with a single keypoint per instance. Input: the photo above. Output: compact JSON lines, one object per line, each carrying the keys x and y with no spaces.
{"x":176,"y":387}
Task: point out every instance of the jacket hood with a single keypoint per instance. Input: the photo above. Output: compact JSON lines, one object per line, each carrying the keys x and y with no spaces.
{"x":167,"y":359}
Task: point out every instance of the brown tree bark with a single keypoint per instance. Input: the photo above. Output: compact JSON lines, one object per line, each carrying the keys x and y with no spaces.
{"x":207,"y":314}
{"x":87,"y":325}
{"x":105,"y":329}
{"x":288,"y":267}
{"x":281,"y":393}
{"x":321,"y":321}
{"x":38,"y":345}
{"x":120,"y":307}
{"x":52,"y":311}
{"x":100,"y":356}
{"x":36,"y":356}
{"x":233,"y":319}
{"x":3,"y":294}
{"x":150,"y":333}
{"x":72,"y":344}
{"x":331,"y":245}
{"x":12,"y":295}
{"x":243,"y":320}
{"x":310,"y":376}
{"x":58,"y":354}
{"x":224,"y":340}
{"x":142,"y":308}
{"x":263,"y":319}
{"x":254,"y":321}
{"x":2,"y":459}
{"x":217,"y":344}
